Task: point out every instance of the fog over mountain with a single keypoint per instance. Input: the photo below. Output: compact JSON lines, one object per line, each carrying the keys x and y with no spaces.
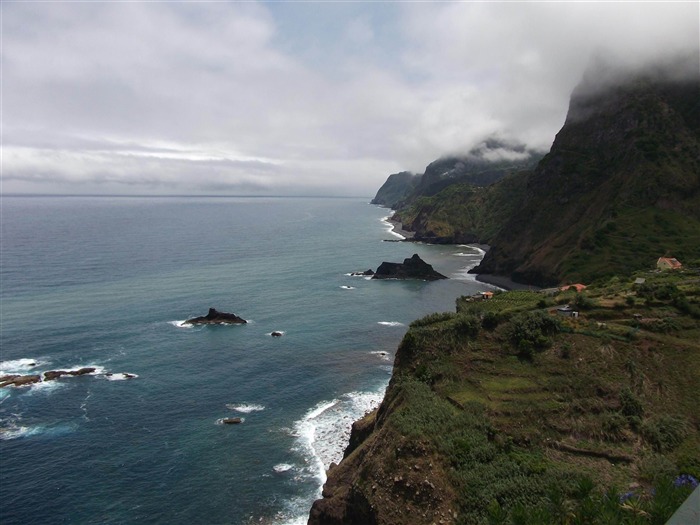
{"x":296,"y":98}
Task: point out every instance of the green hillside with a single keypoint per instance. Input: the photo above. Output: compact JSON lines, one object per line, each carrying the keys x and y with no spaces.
{"x":506,"y":412}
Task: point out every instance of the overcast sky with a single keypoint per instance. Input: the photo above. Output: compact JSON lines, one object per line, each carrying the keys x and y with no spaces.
{"x":294,"y":97}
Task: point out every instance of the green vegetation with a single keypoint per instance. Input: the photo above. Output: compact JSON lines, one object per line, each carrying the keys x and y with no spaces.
{"x":505,"y":412}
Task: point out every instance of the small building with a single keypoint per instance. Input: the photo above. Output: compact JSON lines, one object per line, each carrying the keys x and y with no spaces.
{"x":578,"y":287}
{"x":486,"y":295}
{"x":668,"y":263}
{"x":567,"y":311}
{"x":640,"y":280}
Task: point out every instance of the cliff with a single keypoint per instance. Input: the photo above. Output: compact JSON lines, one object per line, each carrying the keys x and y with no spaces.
{"x":506,"y":411}
{"x":619,"y":187}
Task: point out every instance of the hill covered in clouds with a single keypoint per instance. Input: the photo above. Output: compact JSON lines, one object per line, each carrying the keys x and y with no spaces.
{"x":619,"y":187}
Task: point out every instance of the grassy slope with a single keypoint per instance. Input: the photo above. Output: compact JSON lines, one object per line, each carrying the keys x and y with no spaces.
{"x":478,"y":428}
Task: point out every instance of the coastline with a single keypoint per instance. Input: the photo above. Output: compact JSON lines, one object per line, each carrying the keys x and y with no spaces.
{"x":504,"y":282}
{"x":397,"y":229}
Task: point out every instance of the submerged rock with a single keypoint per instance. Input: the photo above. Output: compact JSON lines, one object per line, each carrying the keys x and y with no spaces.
{"x":216,"y":317}
{"x":277,"y":334}
{"x":232,"y":420}
{"x":412,"y":268}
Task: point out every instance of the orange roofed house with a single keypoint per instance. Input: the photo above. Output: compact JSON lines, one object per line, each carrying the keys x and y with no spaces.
{"x":668,"y":263}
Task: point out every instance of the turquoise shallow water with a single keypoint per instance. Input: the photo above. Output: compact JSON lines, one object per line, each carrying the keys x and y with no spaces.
{"x":106,"y":281}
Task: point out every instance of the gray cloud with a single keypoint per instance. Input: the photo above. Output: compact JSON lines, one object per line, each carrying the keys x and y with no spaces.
{"x":305,"y":99}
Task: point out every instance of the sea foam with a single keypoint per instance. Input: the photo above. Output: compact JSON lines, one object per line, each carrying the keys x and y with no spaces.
{"x":390,"y":323}
{"x":245,"y":408}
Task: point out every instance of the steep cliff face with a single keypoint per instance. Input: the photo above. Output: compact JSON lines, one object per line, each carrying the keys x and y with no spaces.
{"x":396,"y":188}
{"x":620,"y":186}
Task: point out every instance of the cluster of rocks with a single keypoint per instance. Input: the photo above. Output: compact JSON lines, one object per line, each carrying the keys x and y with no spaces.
{"x":21,"y":380}
{"x":51,"y":375}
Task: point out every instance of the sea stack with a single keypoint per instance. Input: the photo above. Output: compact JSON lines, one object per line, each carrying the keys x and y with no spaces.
{"x":412,"y":268}
{"x":216,"y":317}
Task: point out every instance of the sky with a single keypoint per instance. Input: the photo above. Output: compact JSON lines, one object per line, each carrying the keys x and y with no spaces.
{"x":294,"y":97}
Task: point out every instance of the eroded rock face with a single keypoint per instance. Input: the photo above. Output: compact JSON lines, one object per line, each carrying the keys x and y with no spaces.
{"x":412,"y":268}
{"x":216,"y":317}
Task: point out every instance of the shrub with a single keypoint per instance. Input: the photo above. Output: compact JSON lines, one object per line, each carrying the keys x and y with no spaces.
{"x":490,"y":321}
{"x":467,"y":325}
{"x":630,"y":405}
{"x":664,"y":433}
{"x":530,"y":332}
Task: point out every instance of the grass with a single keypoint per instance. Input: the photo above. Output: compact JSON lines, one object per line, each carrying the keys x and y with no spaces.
{"x":607,"y":398}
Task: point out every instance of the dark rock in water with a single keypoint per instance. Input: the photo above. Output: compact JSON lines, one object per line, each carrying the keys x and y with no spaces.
{"x":277,"y":334}
{"x":216,"y":317}
{"x":413,"y":268}
{"x":231,"y":420}
{"x":55,"y":374}
{"x":128,"y":376}
{"x":365,"y":273}
{"x":18,"y":380}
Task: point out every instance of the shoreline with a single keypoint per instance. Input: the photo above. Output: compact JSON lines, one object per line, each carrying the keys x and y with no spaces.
{"x":397,"y":229}
{"x":504,"y":282}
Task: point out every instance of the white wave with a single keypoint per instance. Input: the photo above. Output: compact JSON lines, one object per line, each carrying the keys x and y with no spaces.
{"x":45,"y":387}
{"x":386,"y":356}
{"x":120,"y":376}
{"x":181,"y":324}
{"x":245,"y":408}
{"x":282,"y":467}
{"x":390,"y":227}
{"x":346,"y":287}
{"x":321,"y":437}
{"x":16,"y":366}
{"x":390,"y":323}
{"x":16,"y":431}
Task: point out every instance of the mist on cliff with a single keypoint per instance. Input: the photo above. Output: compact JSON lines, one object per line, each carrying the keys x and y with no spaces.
{"x":298,"y":98}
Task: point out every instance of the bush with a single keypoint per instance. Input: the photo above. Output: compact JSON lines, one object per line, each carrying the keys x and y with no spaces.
{"x":630,"y":405}
{"x":664,"y":433}
{"x":467,"y":325}
{"x":490,"y":321}
{"x":530,"y":332}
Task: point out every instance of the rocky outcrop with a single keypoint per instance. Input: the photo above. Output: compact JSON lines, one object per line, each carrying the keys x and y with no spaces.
{"x":232,"y":420}
{"x":366,"y":273}
{"x":412,"y":268}
{"x":22,"y":380}
{"x":55,"y":374}
{"x":18,"y":380}
{"x":216,"y":317}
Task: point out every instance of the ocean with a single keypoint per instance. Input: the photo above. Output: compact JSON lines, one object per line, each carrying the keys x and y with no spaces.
{"x":106,"y":282}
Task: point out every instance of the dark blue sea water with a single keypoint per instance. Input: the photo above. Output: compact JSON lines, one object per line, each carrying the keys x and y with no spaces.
{"x":106,"y":282}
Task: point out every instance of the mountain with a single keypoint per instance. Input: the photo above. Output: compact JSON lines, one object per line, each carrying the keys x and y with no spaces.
{"x":619,"y":187}
{"x":483,"y":165}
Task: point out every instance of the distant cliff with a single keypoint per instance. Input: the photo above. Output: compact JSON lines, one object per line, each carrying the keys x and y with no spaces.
{"x":396,"y":188}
